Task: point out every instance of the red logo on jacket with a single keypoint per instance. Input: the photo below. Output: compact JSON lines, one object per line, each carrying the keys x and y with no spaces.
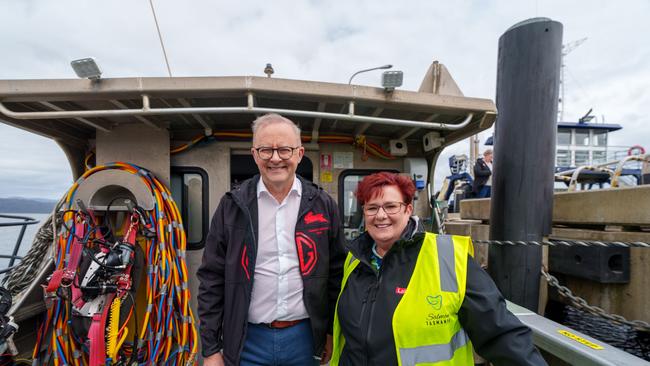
{"x":307,"y":253}
{"x":244,"y":262}
{"x":311,"y":218}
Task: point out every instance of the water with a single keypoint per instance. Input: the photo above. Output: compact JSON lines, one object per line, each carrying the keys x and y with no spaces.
{"x":9,"y":235}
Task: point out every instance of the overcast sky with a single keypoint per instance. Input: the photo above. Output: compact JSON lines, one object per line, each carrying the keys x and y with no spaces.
{"x":315,"y":40}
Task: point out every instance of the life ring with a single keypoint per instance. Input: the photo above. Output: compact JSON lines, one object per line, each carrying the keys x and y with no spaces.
{"x":636,"y":150}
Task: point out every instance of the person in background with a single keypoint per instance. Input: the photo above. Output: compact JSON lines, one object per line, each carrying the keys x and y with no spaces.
{"x":482,"y":186}
{"x":411,"y":297}
{"x":272,"y":263}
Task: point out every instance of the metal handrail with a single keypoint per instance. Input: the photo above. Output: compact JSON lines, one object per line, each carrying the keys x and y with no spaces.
{"x":146,"y":110}
{"x":26,"y":221}
{"x":621,"y":164}
{"x":601,"y":167}
{"x":570,"y":345}
{"x":573,"y":182}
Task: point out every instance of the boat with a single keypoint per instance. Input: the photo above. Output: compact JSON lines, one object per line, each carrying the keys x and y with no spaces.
{"x":136,"y":145}
{"x":583,"y":147}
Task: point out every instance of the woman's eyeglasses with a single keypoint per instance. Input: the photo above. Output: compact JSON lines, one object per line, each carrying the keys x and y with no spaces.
{"x":284,"y":152}
{"x":390,"y":208}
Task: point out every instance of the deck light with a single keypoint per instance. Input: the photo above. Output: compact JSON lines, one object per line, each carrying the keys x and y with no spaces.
{"x":370,"y":69}
{"x":391,"y":80}
{"x":86,"y":68}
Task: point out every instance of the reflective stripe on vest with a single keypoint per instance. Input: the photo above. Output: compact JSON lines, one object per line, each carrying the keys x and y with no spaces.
{"x":446,"y":263}
{"x":435,"y":352}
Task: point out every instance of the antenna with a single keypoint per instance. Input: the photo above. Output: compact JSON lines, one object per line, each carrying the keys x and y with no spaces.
{"x":566,"y":49}
{"x":162,"y":45}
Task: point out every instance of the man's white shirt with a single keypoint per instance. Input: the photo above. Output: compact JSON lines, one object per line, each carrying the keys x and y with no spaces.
{"x":277,"y":288}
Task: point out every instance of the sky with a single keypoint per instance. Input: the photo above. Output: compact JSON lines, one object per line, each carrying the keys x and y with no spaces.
{"x":316,"y":40}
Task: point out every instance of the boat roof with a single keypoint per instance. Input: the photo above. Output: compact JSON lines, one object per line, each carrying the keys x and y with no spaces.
{"x":577,"y":125}
{"x":591,"y":126}
{"x":71,"y":110}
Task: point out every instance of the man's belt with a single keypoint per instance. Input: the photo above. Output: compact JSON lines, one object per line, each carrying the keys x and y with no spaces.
{"x":281,"y":324}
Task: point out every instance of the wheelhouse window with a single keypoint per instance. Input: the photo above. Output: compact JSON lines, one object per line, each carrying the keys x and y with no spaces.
{"x":582,"y":157}
{"x":582,"y":137}
{"x":563,"y":158}
{"x":564,"y":136}
{"x":599,"y":157}
{"x":600,"y":138}
{"x":189,"y":186}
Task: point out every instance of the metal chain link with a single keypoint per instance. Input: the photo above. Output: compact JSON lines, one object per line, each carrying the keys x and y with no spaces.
{"x":566,"y":243}
{"x":582,"y":304}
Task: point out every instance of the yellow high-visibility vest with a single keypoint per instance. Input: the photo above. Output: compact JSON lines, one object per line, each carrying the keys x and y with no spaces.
{"x":425,"y":322}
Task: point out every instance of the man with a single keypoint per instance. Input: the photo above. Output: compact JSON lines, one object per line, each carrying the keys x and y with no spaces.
{"x":482,"y":186}
{"x":272,"y":263}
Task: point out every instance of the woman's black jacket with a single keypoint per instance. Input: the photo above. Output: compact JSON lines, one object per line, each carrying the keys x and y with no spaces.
{"x":366,"y":307}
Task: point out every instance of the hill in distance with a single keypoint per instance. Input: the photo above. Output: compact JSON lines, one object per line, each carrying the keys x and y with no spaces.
{"x":26,"y":205}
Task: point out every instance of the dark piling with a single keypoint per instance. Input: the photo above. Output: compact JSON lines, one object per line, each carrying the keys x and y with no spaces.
{"x":528,"y":77}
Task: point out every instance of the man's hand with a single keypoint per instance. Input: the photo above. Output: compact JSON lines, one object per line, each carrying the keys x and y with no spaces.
{"x":327,"y":352}
{"x":214,"y":360}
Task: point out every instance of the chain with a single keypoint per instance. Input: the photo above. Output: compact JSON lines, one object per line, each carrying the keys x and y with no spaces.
{"x":582,"y":304}
{"x":577,"y":301}
{"x":566,"y":243}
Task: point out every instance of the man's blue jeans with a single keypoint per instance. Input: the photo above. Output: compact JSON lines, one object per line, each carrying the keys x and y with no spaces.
{"x":486,"y":191}
{"x":293,"y":346}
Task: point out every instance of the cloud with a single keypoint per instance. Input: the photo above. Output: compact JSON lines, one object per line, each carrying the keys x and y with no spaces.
{"x":31,"y":166}
{"x":317,"y":40}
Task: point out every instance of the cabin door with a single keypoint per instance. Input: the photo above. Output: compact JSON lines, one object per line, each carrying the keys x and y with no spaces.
{"x":243,"y":167}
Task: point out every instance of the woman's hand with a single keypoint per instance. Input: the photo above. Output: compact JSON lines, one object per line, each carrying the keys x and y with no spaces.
{"x":327,"y":352}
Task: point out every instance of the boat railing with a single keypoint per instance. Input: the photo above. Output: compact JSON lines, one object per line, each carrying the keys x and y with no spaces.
{"x":613,"y":167}
{"x":569,"y":345}
{"x":23,"y":222}
{"x":614,"y":153}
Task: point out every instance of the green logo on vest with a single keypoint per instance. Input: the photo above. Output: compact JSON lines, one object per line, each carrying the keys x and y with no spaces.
{"x":436,"y":318}
{"x":435,"y":301}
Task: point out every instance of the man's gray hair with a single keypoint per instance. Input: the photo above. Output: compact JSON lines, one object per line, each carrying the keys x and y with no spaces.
{"x":487,"y":152}
{"x":272,"y":118}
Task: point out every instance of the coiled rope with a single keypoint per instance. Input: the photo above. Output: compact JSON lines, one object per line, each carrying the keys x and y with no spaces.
{"x":160,"y":327}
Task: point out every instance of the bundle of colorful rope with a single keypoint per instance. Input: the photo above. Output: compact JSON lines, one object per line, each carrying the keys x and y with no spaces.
{"x":159,"y":326}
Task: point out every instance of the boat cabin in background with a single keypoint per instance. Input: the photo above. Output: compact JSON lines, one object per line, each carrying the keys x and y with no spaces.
{"x":582,"y":143}
{"x":194,"y":134}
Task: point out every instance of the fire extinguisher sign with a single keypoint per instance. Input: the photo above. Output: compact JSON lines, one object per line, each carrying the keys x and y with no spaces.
{"x":326,"y":168}
{"x":325,"y":161}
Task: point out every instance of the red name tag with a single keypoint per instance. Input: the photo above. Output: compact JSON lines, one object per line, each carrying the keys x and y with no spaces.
{"x":400,"y":290}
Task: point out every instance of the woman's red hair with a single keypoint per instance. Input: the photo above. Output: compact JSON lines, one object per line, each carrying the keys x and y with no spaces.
{"x":372,"y":185}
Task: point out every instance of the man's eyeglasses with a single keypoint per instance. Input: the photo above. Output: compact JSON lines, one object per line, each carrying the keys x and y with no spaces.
{"x":390,"y":208}
{"x":284,"y":152}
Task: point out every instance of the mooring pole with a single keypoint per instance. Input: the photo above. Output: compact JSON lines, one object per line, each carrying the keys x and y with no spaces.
{"x":528,"y":77}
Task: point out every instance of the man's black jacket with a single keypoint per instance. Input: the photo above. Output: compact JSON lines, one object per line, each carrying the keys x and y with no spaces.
{"x":370,"y":298}
{"x":226,"y":274}
{"x":482,"y":173}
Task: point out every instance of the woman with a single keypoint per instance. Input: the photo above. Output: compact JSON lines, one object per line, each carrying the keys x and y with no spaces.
{"x":410,"y":297}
